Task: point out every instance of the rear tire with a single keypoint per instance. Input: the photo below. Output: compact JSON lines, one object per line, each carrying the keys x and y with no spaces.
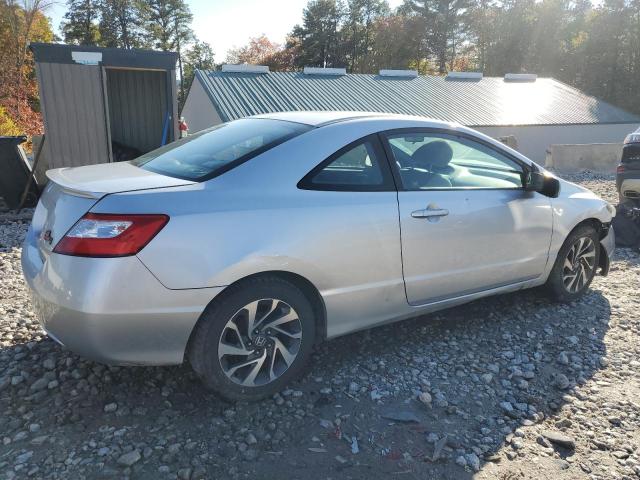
{"x":575,"y":266}
{"x":239,"y":362}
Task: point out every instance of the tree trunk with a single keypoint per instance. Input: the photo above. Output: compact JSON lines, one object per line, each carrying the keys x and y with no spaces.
{"x":180,"y":70}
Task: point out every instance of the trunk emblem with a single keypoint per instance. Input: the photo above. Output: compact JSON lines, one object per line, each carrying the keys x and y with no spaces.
{"x":47,"y":237}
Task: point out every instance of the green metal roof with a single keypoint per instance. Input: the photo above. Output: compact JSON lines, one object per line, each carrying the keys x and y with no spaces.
{"x":491,"y":101}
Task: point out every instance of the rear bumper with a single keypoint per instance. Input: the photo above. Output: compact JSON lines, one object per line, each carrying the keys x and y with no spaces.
{"x":112,"y":310}
{"x":628,"y":184}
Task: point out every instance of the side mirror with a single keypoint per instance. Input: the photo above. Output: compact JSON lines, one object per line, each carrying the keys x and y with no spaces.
{"x":541,"y":183}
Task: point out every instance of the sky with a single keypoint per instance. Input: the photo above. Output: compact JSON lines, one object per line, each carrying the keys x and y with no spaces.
{"x":231,"y":23}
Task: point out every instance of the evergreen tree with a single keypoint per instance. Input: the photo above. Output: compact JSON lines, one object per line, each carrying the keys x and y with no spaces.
{"x":319,"y":35}
{"x":120,"y":24}
{"x":397,"y":44}
{"x":480,"y":18}
{"x":80,"y":24}
{"x":443,"y":26}
{"x":512,"y":34}
{"x":198,"y":57}
{"x":166,"y":23}
{"x":359,"y":31}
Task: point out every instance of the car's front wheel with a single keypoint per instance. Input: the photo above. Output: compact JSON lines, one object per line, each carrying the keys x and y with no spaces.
{"x":575,"y":265}
{"x":254,"y":340}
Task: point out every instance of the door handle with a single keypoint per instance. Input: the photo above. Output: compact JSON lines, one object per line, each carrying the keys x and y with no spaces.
{"x":430,"y":212}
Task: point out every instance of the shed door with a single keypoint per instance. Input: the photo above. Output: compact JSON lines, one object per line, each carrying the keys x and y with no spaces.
{"x":73,"y":105}
{"x":138,"y":110}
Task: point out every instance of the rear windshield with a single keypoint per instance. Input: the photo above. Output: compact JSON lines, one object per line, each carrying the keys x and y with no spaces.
{"x":211,"y":152}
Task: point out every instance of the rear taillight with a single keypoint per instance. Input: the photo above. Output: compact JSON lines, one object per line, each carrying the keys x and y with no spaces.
{"x":110,"y":235}
{"x":620,"y":169}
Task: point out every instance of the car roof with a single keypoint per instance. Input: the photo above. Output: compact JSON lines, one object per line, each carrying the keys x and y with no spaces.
{"x":390,"y":121}
{"x":320,"y":118}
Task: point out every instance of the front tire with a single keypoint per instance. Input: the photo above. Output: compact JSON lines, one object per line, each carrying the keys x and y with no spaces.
{"x":576,"y":265}
{"x":253,"y":340}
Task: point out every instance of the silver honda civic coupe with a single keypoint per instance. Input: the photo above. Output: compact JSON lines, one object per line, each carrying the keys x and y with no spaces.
{"x":241,"y":247}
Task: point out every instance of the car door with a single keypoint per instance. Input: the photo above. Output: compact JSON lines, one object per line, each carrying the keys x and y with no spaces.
{"x":467,"y":224}
{"x":348,"y":211}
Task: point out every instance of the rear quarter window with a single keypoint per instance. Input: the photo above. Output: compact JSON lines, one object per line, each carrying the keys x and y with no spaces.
{"x":216,"y":150}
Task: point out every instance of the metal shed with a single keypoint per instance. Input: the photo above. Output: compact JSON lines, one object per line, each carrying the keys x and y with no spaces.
{"x":104,"y":104}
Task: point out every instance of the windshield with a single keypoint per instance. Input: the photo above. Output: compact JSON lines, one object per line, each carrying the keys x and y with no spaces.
{"x":211,"y":152}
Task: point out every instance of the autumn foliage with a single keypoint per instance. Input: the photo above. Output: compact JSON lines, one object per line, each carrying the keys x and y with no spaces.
{"x":262,"y":51}
{"x":20,"y":24}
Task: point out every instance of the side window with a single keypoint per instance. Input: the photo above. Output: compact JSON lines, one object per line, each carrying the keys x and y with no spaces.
{"x":441,"y":161}
{"x":357,"y":167}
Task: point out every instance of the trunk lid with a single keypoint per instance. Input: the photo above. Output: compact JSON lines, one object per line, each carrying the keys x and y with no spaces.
{"x":72,"y":192}
{"x":96,"y":181}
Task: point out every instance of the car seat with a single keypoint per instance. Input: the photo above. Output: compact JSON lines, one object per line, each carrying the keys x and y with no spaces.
{"x":431,"y":165}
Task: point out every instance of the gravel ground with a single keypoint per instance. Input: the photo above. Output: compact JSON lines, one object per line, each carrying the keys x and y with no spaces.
{"x":506,"y":387}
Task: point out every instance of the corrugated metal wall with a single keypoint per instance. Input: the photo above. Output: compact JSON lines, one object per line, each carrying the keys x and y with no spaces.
{"x":73,"y":107}
{"x":137,"y":107}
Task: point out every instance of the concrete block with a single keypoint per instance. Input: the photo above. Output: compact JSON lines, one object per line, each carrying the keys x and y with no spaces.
{"x":595,"y":157}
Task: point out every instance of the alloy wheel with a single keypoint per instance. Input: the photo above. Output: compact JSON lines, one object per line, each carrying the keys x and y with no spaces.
{"x":579,"y":264}
{"x":260,"y":342}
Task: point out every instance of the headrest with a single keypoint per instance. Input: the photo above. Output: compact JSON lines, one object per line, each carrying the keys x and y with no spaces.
{"x":434,"y":155}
